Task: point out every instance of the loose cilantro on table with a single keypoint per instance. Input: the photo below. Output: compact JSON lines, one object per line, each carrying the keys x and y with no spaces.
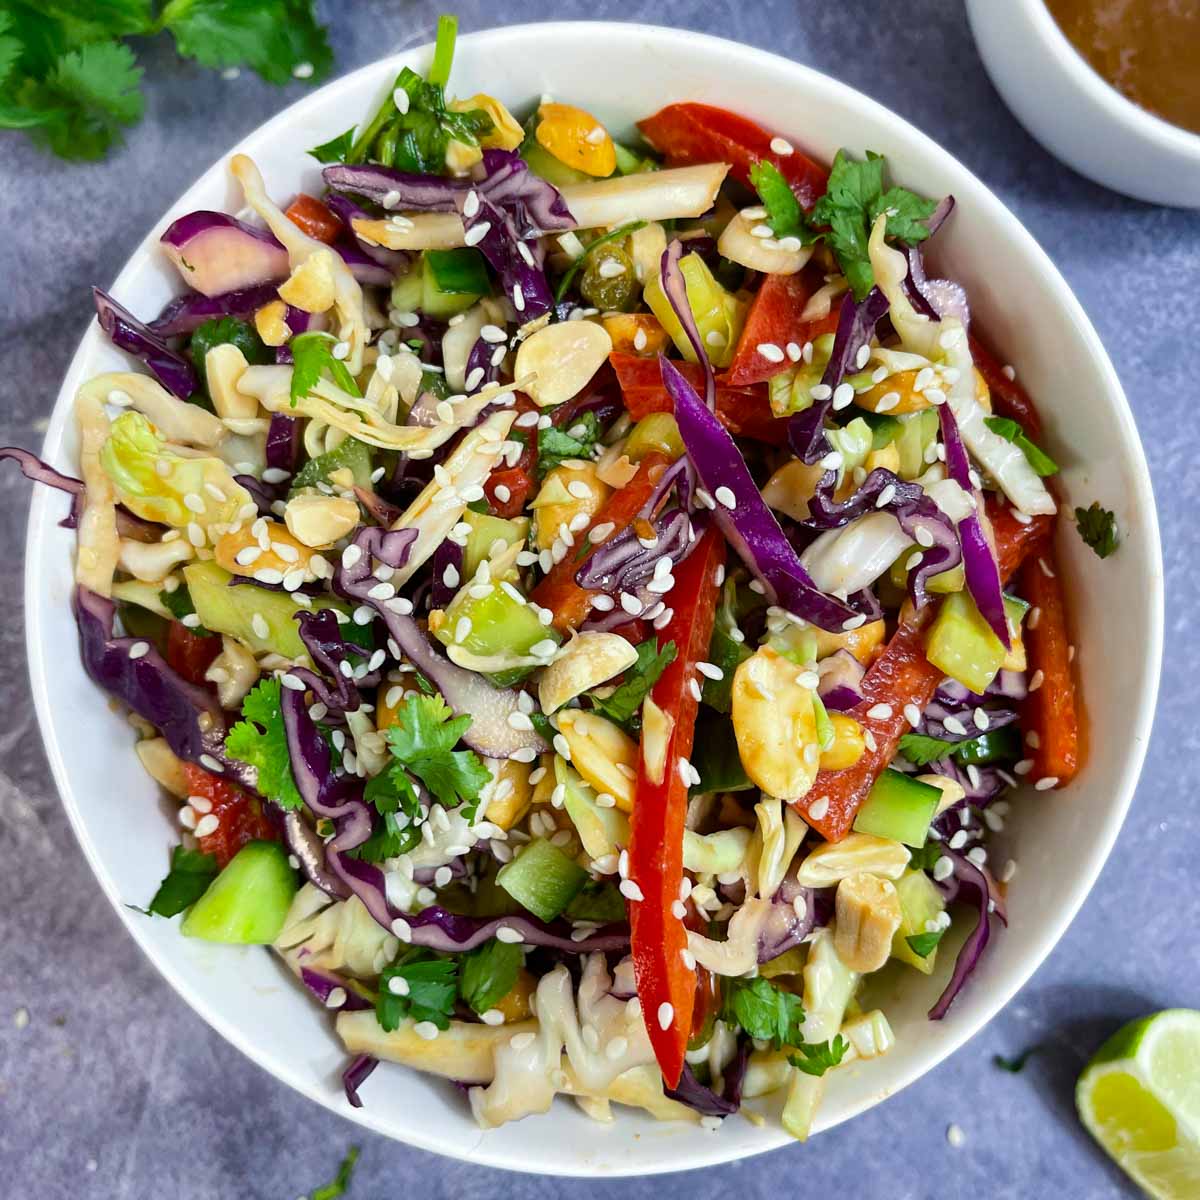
{"x":74,"y":86}
{"x":427,"y":993}
{"x":1011,"y":431}
{"x":188,"y":879}
{"x":312,"y":357}
{"x":920,"y":749}
{"x":815,"y":1058}
{"x":556,"y":445}
{"x":488,"y":973}
{"x":1098,"y":528}
{"x":341,"y":1181}
{"x":624,"y":704}
{"x":766,"y":1012}
{"x":260,"y":740}
{"x":1016,"y":1064}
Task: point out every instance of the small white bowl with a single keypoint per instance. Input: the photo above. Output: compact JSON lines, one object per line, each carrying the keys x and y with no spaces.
{"x":1076,"y":114}
{"x":1060,"y":839}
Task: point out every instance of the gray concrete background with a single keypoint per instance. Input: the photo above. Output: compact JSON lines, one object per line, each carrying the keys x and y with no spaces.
{"x":113,"y":1088}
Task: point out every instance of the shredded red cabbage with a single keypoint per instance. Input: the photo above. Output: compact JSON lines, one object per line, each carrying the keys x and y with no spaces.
{"x":283,"y":443}
{"x":840,"y":686}
{"x":35,"y":469}
{"x":322,"y":984}
{"x":394,"y":189}
{"x":690,"y":1091}
{"x":345,"y":209}
{"x":674,"y":287}
{"x":355,"y":1075}
{"x":188,"y":312}
{"x":127,"y":333}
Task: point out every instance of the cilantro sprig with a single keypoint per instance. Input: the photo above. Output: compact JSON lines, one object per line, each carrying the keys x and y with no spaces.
{"x":1098,"y":528}
{"x":426,"y":989}
{"x":920,"y":749}
{"x":923,"y":944}
{"x":488,"y":973}
{"x":74,"y":86}
{"x":815,"y":1058}
{"x":188,"y":879}
{"x":1011,"y":431}
{"x":340,"y":1183}
{"x":556,"y":445}
{"x":260,"y":740}
{"x":765,"y":1011}
{"x":623,"y":706}
{"x":313,"y":357}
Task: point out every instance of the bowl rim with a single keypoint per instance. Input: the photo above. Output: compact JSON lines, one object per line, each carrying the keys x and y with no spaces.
{"x":1042,"y":941}
{"x":1138,"y":120}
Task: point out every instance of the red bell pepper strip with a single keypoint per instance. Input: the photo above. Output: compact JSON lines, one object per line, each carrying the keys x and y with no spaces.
{"x":519,"y":478}
{"x":901,"y":675}
{"x":190,"y":654}
{"x":310,"y":215}
{"x":558,"y":591}
{"x":744,"y":411}
{"x":240,"y":816}
{"x":1009,"y":398}
{"x":701,"y":133}
{"x":1050,"y":710}
{"x":666,"y":985}
{"x":774,"y":318}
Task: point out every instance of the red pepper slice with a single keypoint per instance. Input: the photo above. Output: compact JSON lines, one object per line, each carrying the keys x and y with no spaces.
{"x":240,"y":816}
{"x":310,"y":215}
{"x":1050,"y":710}
{"x":701,"y":133}
{"x":558,"y":591}
{"x":666,"y":985}
{"x":190,"y":654}
{"x":1009,"y":398}
{"x":519,"y":478}
{"x":744,"y":411}
{"x":902,"y":675}
{"x":774,"y":318}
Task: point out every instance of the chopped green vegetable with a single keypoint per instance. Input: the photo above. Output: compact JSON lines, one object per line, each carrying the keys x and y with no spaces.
{"x":487,"y":973}
{"x":998,"y":745}
{"x":217,"y":332}
{"x":1016,"y":1064}
{"x":898,"y":807}
{"x":260,"y":740}
{"x":425,"y":988}
{"x":336,"y":149}
{"x":542,"y":879}
{"x":920,"y":749}
{"x":188,"y":879}
{"x":597,"y":901}
{"x":556,"y":445}
{"x":924,"y":944}
{"x":1098,"y":528}
{"x":341,"y":1181}
{"x":352,"y":455}
{"x":248,"y":902}
{"x":458,"y":271}
{"x":727,"y":648}
{"x":921,"y":907}
{"x":1011,"y":431}
{"x":764,"y":1010}
{"x":784,"y":214}
{"x":312,"y":357}
{"x":443,"y":50}
{"x":815,"y":1058}
{"x":715,"y":757}
{"x":179,"y":604}
{"x":624,"y":705}
{"x":394,"y":798}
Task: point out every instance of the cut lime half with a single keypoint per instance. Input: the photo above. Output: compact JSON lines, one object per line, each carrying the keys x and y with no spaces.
{"x":1139,"y":1098}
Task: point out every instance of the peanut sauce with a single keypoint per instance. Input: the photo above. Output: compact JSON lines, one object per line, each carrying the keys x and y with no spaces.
{"x":1149,"y":50}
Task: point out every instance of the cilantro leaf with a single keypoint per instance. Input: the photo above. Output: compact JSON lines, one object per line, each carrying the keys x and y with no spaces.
{"x":427,"y":992}
{"x":1098,"y":528}
{"x":219,"y":330}
{"x":784,"y":214}
{"x":623,"y":705}
{"x":488,"y":973}
{"x":279,"y":39}
{"x":423,"y":740}
{"x":1016,"y":1064}
{"x":341,"y":1181}
{"x":98,"y":19}
{"x":336,"y":149}
{"x":854,"y":200}
{"x":396,"y":801}
{"x":925,"y":858}
{"x":1011,"y":431}
{"x":555,"y":445}
{"x":924,"y":944}
{"x":260,"y":740}
{"x":188,"y":879}
{"x":815,"y":1058}
{"x":726,"y":649}
{"x":921,"y":750}
{"x":312,"y":356}
{"x":179,"y":604}
{"x":766,"y":1012}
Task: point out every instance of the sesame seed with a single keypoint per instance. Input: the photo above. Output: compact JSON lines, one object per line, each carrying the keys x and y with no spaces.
{"x":630,"y":890}
{"x":842,"y":396}
{"x":631,"y":604}
{"x":715,"y":338}
{"x":1036,"y":680}
{"x":505,"y":934}
{"x":912,"y":714}
{"x":477,"y":233}
{"x":493,"y":333}
{"x":770,"y":352}
{"x":924,"y":536}
{"x":820,"y":391}
{"x":943,"y":869}
{"x":819,"y":808}
{"x":880,"y":712}
{"x":710,"y":670}
{"x":426,"y":1030}
{"x":259,"y":624}
{"x":302,"y":70}
{"x":886,"y":496}
{"x":402,"y":929}
{"x":1008,"y":371}
{"x":783,"y":147}
{"x":762,"y":231}
{"x":981,"y":719}
{"x":954,"y":725}
{"x":666,"y":1015}
{"x":139,"y":650}
{"x":1046,"y":783}
{"x":887,"y":402}
{"x":187,"y":817}
{"x":955,"y":1136}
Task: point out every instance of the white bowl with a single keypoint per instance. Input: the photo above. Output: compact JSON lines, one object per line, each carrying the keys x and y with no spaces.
{"x":1060,"y":839}
{"x":1077,"y":115}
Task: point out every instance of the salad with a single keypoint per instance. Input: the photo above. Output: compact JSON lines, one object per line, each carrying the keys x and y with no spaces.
{"x":589,"y":599}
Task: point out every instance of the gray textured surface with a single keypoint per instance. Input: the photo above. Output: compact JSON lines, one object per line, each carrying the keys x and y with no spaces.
{"x":116,"y":1089}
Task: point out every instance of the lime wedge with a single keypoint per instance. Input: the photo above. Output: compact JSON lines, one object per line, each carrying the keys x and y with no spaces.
{"x":1139,"y":1098}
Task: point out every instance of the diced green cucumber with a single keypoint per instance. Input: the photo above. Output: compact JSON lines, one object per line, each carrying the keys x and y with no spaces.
{"x":486,"y":531}
{"x":920,"y":903}
{"x":630,"y":162}
{"x":541,"y":162}
{"x":917,"y":431}
{"x":440,"y":304}
{"x":458,"y":272}
{"x":962,"y":645}
{"x":247,"y":904}
{"x":351,"y":455}
{"x":543,"y":879}
{"x":884,"y":429}
{"x":655,"y":432}
{"x":598,"y":902}
{"x":899,"y":807}
{"x":408,"y":289}
{"x":953,"y":580}
{"x":603,"y":831}
{"x":231,"y":610}
{"x":998,"y":745}
{"x":496,"y":626}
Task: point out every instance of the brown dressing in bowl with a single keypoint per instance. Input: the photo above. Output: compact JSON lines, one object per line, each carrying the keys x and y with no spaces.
{"x":1149,"y":50}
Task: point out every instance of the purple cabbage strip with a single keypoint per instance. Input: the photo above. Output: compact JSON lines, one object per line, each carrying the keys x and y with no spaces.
{"x":127,"y":333}
{"x":344,"y":208}
{"x":323,"y":983}
{"x":978,"y":557}
{"x":537,"y":207}
{"x":187,"y":716}
{"x":39,"y":471}
{"x":624,"y":563}
{"x":303,"y":841}
{"x":283,"y":443}
{"x":514,"y":260}
{"x":784,"y":928}
{"x":856,"y":327}
{"x":448,"y":555}
{"x":981,"y":785}
{"x":690,"y":1091}
{"x":464,"y":691}
{"x":450,"y":933}
{"x":355,"y":1075}
{"x":674,"y":287}
{"x":915,"y":512}
{"x":480,"y":359}
{"x":934,"y":298}
{"x":406,"y":191}
{"x":840,"y":686}
{"x":188,"y":312}
{"x":383,"y":513}
{"x":747,"y":523}
{"x":321,"y":634}
{"x":263,"y":494}
{"x":970,"y":885}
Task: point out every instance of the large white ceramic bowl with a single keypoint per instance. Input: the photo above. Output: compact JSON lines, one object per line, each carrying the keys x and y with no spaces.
{"x":1077,"y":115}
{"x":1060,"y":839}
